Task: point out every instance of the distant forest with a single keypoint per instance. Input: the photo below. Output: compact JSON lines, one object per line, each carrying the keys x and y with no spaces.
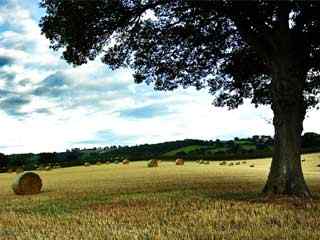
{"x":188,"y":149}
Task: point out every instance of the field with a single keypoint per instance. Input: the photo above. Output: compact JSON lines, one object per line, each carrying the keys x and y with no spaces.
{"x":169,"y":202}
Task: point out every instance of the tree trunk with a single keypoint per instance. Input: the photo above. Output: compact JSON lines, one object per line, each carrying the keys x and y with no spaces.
{"x":289,"y":110}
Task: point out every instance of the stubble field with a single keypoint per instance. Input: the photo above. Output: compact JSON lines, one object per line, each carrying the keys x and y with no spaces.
{"x":133,"y":201}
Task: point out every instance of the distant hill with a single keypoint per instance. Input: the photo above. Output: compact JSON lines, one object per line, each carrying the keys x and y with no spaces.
{"x":189,"y":149}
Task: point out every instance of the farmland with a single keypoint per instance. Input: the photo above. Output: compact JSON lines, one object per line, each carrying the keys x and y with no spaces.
{"x":115,"y":201}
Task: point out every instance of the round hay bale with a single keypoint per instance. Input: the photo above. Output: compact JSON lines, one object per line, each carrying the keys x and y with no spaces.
{"x":201,"y":161}
{"x":223,"y":163}
{"x":48,"y":168}
{"x":179,"y":162}
{"x":231,"y":164}
{"x":57,"y":166}
{"x":206,"y":162}
{"x":107,"y":162}
{"x":98,"y":163}
{"x":19,"y":170}
{"x":153,"y":163}
{"x":237,"y":163}
{"x":244,"y":162}
{"x":27,"y":183}
{"x":10,"y":170}
{"x":86,"y":164}
{"x":252,"y":165}
{"x":125,"y":162}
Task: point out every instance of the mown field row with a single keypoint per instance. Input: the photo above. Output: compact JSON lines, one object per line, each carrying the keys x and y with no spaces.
{"x":194,"y":201}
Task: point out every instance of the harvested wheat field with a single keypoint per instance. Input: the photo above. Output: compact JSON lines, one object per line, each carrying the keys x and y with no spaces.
{"x":168,"y":202}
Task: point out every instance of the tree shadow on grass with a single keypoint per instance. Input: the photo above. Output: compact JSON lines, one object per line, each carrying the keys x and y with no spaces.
{"x":254,"y":197}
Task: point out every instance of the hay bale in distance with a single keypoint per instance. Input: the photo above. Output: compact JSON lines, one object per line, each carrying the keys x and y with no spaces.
{"x":244,"y":162}
{"x":179,"y":162}
{"x":231,"y":164}
{"x":86,"y":164}
{"x":223,"y":163}
{"x":48,"y":168}
{"x":98,"y":163}
{"x":153,"y":163}
{"x":27,"y":183}
{"x":238,"y":163}
{"x":19,"y":170}
{"x":204,"y":162}
{"x":125,"y":162}
{"x":56,"y":166}
{"x":252,"y":165}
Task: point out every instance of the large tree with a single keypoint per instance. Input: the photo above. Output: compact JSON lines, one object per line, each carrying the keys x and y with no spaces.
{"x":267,"y":51}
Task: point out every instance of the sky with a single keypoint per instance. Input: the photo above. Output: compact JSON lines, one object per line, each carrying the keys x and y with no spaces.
{"x":48,"y":105}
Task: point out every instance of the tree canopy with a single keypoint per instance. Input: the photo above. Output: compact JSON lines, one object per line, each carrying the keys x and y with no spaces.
{"x":228,"y":46}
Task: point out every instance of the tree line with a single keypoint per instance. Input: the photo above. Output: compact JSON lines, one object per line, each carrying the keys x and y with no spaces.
{"x":188,"y":149}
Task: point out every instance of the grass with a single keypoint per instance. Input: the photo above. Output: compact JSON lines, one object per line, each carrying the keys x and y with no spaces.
{"x":185,"y":149}
{"x":169,"y":202}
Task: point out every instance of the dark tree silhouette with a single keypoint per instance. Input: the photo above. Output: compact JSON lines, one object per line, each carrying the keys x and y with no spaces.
{"x":267,"y":51}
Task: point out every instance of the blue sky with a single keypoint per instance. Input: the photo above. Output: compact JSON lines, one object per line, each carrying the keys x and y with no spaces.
{"x":47,"y":105}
